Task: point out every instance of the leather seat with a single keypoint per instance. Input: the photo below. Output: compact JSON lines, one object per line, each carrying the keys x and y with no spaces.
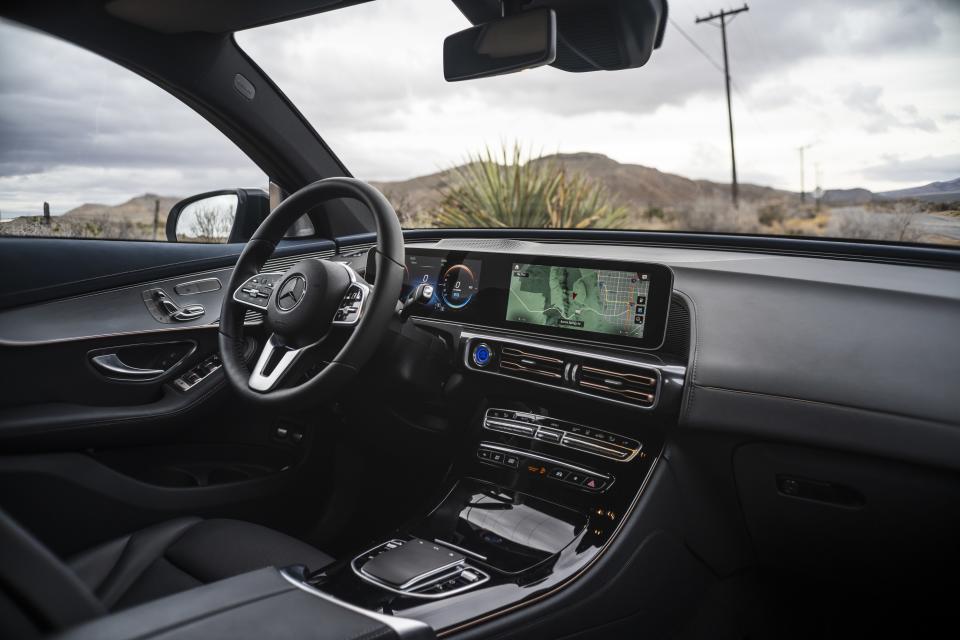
{"x":40,"y":594}
{"x":184,"y":553}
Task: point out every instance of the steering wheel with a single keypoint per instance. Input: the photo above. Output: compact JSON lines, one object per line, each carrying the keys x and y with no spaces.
{"x":304,"y":305}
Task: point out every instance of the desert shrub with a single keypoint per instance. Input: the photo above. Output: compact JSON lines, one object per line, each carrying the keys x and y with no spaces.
{"x":717,"y":215}
{"x":499,"y":190}
{"x":654,"y":213}
{"x":897,"y":223}
{"x":770,"y":214}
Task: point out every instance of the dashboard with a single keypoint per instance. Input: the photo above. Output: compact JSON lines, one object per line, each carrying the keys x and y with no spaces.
{"x":595,"y":300}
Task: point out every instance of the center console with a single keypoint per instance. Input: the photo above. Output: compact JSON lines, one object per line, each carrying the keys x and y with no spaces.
{"x":571,"y":397}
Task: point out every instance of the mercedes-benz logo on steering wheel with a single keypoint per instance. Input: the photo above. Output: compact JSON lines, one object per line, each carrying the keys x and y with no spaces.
{"x":291,"y":292}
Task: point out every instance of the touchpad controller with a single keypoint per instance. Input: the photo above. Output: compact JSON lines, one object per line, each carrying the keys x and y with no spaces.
{"x":412,"y":562}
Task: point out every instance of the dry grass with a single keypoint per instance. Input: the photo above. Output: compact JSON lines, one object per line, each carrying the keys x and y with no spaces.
{"x":105,"y":226}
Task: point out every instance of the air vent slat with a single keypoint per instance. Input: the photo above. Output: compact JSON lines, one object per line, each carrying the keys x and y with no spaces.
{"x":618,"y":382}
{"x":530,"y":363}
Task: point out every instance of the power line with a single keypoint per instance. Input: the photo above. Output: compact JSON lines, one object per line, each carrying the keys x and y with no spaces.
{"x":733,"y":83}
{"x":722,"y":16}
{"x":696,"y":46}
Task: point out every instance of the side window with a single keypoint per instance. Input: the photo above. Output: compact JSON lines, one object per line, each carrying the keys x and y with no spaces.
{"x":89,"y":149}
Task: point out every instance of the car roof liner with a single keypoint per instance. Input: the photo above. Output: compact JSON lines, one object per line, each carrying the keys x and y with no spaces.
{"x":215,"y":16}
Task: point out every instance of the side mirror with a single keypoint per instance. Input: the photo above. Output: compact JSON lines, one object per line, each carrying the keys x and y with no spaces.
{"x":522,"y":41}
{"x":229,"y":215}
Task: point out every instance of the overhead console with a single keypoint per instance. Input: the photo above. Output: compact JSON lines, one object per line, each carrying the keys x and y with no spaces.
{"x":583,"y":300}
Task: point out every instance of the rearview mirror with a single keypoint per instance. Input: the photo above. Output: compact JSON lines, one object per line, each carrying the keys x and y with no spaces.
{"x":522,"y":41}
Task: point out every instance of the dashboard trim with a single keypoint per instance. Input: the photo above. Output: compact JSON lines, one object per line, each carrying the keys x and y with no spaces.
{"x":467,"y":336}
{"x":507,"y":333}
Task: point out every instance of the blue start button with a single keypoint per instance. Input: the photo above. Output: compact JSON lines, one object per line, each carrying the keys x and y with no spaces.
{"x":482,"y":354}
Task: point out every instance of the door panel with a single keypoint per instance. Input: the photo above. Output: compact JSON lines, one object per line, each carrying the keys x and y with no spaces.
{"x":80,"y":441}
{"x":39,"y":269}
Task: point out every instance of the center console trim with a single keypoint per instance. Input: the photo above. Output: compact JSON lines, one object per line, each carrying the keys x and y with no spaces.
{"x":405,"y":628}
{"x":571,"y":579}
{"x":422,"y":580}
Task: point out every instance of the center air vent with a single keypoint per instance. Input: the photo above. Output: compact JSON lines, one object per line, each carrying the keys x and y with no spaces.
{"x":530,"y":363}
{"x":611,"y":379}
{"x":619,"y":383}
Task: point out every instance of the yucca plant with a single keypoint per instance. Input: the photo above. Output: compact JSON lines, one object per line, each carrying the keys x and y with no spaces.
{"x":498,"y":190}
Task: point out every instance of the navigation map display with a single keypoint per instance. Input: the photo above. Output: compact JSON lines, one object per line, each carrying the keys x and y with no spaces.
{"x":582,"y":299}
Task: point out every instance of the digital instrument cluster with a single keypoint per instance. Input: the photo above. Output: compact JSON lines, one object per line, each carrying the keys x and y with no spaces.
{"x":455,"y":283}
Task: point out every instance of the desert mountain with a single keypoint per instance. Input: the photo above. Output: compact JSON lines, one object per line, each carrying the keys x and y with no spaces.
{"x":947,"y":191}
{"x":138,"y":210}
{"x":634,"y":184}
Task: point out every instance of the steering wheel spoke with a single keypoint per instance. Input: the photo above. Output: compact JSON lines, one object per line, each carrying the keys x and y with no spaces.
{"x":275,"y":361}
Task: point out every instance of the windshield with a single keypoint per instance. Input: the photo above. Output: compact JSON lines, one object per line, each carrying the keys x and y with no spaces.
{"x":846,"y":121}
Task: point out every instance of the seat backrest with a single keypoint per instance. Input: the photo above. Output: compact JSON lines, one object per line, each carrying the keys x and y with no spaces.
{"x":38,"y":593}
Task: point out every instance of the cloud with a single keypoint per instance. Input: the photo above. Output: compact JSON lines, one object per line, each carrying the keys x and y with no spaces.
{"x":867,"y":101}
{"x":917,"y":170}
{"x":76,"y":128}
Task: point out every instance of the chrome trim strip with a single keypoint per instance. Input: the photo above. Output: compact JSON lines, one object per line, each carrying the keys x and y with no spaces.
{"x":592,"y":446}
{"x":416,"y":580}
{"x":405,"y":628}
{"x":260,"y":382}
{"x":509,"y":427}
{"x":460,"y":549}
{"x":468,"y":336}
{"x":189,"y":282}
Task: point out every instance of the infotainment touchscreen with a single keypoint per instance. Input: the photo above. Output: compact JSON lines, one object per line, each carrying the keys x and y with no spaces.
{"x":615,"y":302}
{"x":579,"y":298}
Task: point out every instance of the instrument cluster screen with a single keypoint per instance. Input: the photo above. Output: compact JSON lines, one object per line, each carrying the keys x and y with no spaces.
{"x":455,"y":283}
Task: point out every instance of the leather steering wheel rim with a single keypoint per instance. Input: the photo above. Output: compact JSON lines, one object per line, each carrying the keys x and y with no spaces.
{"x":378,"y":308}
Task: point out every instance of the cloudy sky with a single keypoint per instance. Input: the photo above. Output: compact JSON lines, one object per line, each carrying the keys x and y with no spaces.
{"x":872,"y":85}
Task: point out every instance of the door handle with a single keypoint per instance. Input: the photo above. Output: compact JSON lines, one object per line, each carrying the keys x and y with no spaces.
{"x":110,"y":363}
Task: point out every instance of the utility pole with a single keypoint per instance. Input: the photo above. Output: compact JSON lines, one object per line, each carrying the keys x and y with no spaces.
{"x":803,"y":191}
{"x":156,"y":217}
{"x":817,"y":190}
{"x":723,"y":15}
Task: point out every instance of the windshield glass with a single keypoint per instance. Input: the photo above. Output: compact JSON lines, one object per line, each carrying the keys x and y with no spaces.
{"x":846,"y":121}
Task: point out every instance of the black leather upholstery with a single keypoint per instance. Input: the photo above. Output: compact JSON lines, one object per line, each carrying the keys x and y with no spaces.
{"x":38,"y":594}
{"x":181,"y":554}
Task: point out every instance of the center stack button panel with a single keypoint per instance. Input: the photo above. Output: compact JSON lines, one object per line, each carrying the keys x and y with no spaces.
{"x":566,"y":434}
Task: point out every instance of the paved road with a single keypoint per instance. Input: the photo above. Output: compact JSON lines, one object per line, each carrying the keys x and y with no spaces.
{"x":880,"y":223}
